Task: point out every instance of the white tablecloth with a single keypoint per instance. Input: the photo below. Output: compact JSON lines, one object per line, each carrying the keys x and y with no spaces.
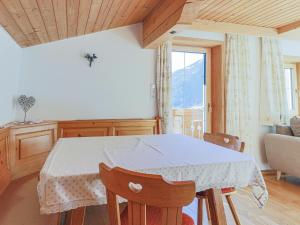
{"x":69,"y":178}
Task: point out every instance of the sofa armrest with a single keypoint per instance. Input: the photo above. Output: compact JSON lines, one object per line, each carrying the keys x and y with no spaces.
{"x":283,"y":153}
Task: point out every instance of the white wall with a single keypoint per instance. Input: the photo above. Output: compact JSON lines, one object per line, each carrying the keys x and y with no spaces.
{"x":118,"y":85}
{"x":10,"y":60}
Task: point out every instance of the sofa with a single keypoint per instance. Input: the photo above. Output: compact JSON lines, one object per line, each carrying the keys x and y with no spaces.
{"x":283,"y":149}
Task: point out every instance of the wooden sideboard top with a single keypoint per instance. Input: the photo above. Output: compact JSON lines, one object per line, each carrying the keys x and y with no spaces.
{"x":20,"y":125}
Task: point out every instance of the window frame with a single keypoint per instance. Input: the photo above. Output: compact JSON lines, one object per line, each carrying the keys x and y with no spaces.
{"x":294,"y":83}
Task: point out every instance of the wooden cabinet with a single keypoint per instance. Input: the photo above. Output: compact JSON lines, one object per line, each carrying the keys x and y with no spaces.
{"x":30,"y":146}
{"x":89,"y":128}
{"x":4,"y":165}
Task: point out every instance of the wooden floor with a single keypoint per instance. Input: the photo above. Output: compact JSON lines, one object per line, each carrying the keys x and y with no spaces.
{"x":19,"y":205}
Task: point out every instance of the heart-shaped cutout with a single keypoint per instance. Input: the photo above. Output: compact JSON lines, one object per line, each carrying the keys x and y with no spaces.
{"x":26,"y":103}
{"x":226,"y":140}
{"x":136,"y":188}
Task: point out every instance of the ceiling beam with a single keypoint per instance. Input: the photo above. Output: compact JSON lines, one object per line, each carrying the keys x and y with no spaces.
{"x":288,"y":27}
{"x":161,"y":21}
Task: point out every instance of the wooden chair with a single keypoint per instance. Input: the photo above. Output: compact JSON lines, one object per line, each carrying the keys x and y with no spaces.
{"x":151,"y":199}
{"x":227,"y":141}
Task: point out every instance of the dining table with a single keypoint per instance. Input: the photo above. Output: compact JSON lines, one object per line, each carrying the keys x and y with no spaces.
{"x":69,"y":180}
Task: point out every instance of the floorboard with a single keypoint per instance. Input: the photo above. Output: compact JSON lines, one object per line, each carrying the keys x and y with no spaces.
{"x":19,"y":205}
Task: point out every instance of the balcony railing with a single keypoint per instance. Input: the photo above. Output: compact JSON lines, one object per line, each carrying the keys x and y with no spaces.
{"x":189,"y":121}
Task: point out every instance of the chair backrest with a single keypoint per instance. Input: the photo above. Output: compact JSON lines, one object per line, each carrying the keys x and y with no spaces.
{"x":225,"y":140}
{"x":145,"y":189}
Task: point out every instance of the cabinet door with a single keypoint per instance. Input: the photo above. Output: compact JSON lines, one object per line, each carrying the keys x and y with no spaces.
{"x":4,"y":170}
{"x":84,"y":132}
{"x":123,"y":131}
{"x":31,"y":151}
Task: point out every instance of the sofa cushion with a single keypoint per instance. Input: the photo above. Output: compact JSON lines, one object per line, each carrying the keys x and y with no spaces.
{"x":284,"y":130}
{"x":295,"y":125}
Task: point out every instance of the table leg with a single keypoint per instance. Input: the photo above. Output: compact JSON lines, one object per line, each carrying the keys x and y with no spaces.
{"x":216,"y":207}
{"x":76,"y":216}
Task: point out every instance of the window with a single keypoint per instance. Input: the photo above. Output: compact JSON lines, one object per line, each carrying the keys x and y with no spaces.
{"x":291,"y":88}
{"x":188,"y":92}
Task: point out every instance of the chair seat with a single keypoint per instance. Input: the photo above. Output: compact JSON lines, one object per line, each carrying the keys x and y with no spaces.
{"x":224,"y":191}
{"x":154,"y":217}
{"x":228,"y":190}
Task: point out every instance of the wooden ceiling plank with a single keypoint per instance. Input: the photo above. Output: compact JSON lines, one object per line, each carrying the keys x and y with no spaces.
{"x":112,"y":13}
{"x":16,"y":10}
{"x":248,"y":12}
{"x":263,"y":11}
{"x":132,"y":17}
{"x":106,"y":14}
{"x":243,"y":10}
{"x":129,"y":11}
{"x":229,"y":11}
{"x":204,"y":13}
{"x":34,"y":15}
{"x":47,"y":12}
{"x":145,"y":10}
{"x":282,"y":19}
{"x":60,"y":12}
{"x":221,"y":9}
{"x":120,"y":14}
{"x":288,"y":27}
{"x":93,"y":15}
{"x":9,"y":24}
{"x":268,"y":14}
{"x":83,"y":15}
{"x":72,"y":16}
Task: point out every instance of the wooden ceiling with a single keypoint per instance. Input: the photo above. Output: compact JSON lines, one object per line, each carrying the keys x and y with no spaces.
{"x":261,"y":13}
{"x":32,"y":22}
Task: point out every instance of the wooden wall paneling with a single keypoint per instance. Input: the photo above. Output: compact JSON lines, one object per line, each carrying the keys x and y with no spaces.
{"x":124,"y":131}
{"x":72,"y":16}
{"x":84,"y":128}
{"x":217,"y":90}
{"x":84,"y":132}
{"x":5,"y":175}
{"x":30,"y":146}
{"x":87,"y":128}
{"x":16,"y":10}
{"x":34,"y":15}
{"x":60,"y":12}
{"x":83,"y":15}
{"x":93,"y":15}
{"x":9,"y":24}
{"x":47,"y":12}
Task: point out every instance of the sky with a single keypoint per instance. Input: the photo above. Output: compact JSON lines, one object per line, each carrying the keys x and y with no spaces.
{"x":178,"y":59}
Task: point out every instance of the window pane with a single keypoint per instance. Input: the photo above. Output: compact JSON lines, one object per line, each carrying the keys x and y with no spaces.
{"x":187,"y":79}
{"x":289,"y":87}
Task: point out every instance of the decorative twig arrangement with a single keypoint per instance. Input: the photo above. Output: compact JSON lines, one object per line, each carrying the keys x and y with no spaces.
{"x":26,"y":103}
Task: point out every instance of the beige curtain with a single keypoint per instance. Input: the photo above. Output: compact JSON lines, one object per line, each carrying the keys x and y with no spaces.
{"x":239,"y":106}
{"x":163,"y":85}
{"x":273,"y":101}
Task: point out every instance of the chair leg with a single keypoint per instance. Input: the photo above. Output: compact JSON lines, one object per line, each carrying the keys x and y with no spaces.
{"x":278,"y":174}
{"x":200,"y":211}
{"x":207,"y":211}
{"x":232,"y":209}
